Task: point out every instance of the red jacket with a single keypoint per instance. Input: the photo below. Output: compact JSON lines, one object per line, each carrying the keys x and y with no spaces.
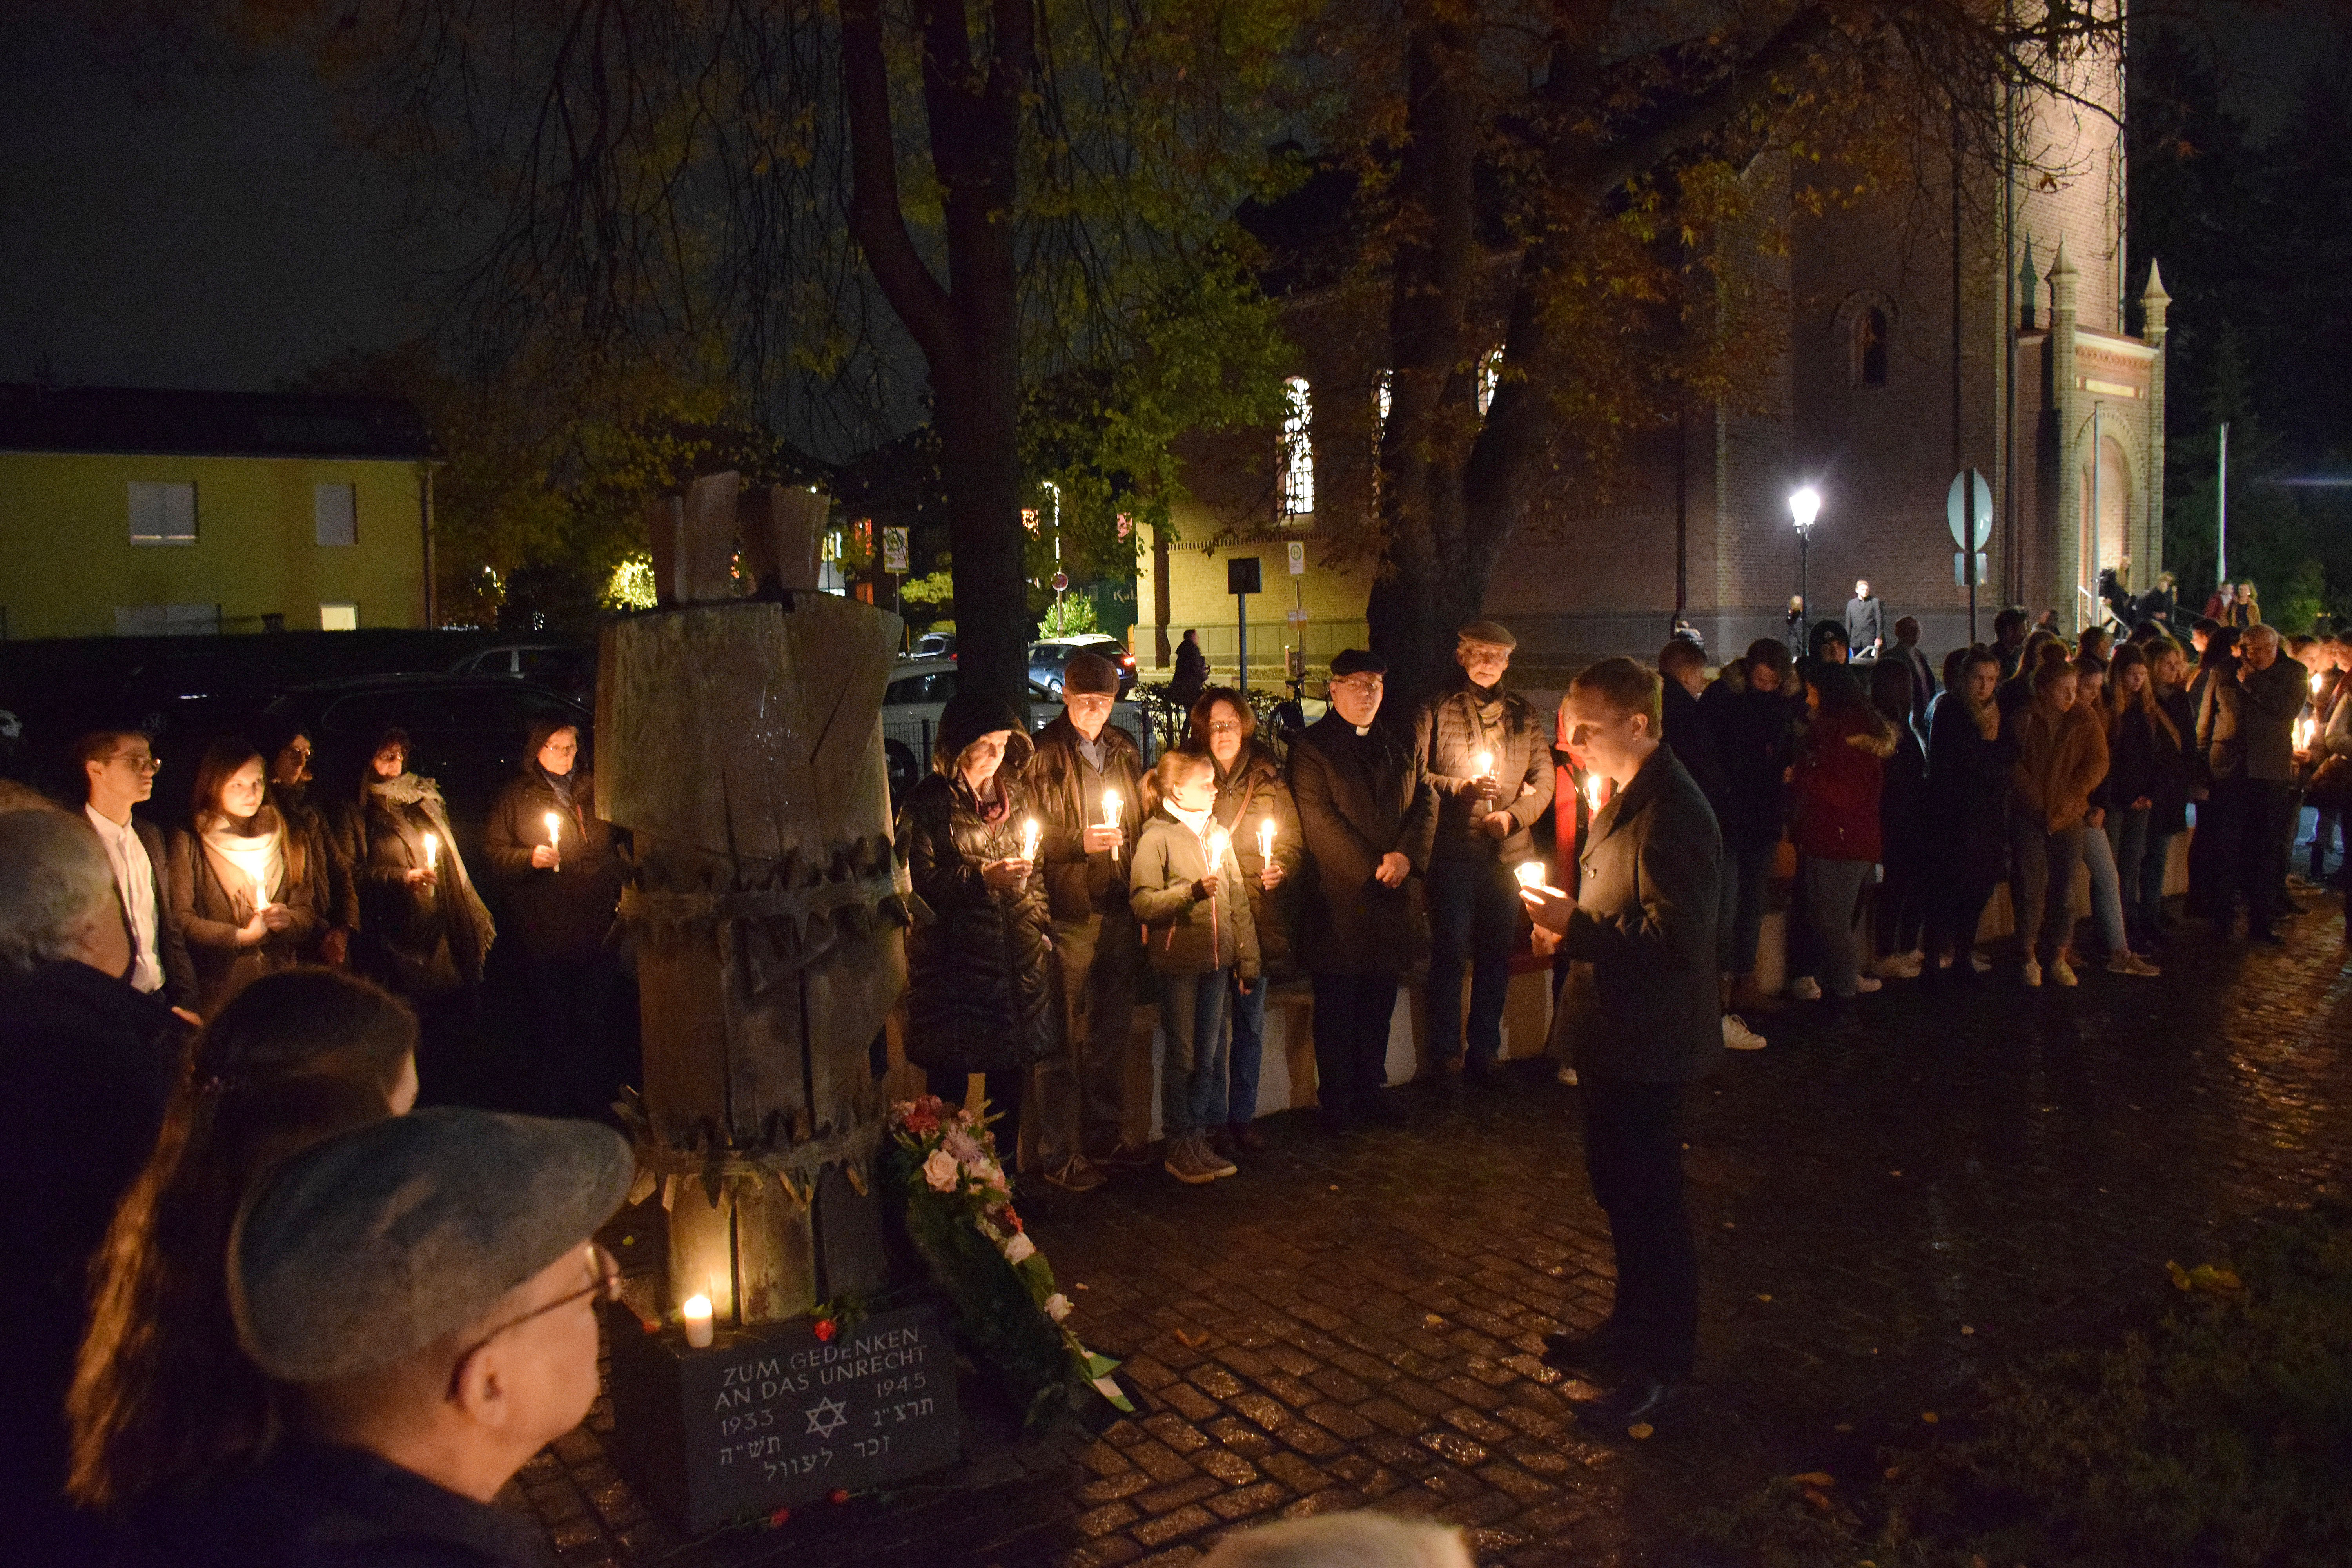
{"x":1838,"y":774}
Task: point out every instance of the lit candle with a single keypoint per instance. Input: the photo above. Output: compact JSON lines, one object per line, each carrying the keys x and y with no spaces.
{"x":1529,"y":873}
{"x":1485,"y":762}
{"x":1029,"y":839}
{"x":1266,"y":839}
{"x":555,"y":832}
{"x":1111,"y":807}
{"x":1220,"y":842}
{"x":696,"y":1311}
{"x":1592,"y":788}
{"x":432,"y":851}
{"x":2316,"y":681}
{"x":2304,"y":732}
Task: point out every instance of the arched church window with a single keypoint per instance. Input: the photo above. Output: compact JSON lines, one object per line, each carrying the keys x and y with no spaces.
{"x":1298,"y":454}
{"x":1870,"y":347}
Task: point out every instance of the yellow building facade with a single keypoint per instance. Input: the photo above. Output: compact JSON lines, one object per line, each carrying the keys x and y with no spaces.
{"x":129,"y":512}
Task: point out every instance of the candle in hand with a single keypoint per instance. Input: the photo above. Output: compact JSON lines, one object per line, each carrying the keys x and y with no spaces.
{"x":1219,"y":841}
{"x":1266,"y":839}
{"x":1592,"y":788}
{"x":1486,"y":764}
{"x":1029,"y":839}
{"x":1111,"y":806}
{"x":696,"y":1311}
{"x":555,"y":832}
{"x":1529,"y":873}
{"x":2316,"y":681}
{"x":431,"y":850}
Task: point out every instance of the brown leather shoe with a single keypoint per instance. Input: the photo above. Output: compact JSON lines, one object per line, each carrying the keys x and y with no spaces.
{"x":1246,"y":1138}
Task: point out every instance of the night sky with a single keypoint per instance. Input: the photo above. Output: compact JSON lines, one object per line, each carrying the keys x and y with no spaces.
{"x":203,"y":227}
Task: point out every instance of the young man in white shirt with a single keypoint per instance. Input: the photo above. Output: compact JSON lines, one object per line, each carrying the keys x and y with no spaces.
{"x":120,"y":767}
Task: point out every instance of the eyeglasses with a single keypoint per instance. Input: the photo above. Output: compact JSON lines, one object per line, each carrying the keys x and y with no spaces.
{"x":1367,"y":684}
{"x":1224,"y":726}
{"x":137,"y":765}
{"x":607,"y":1284}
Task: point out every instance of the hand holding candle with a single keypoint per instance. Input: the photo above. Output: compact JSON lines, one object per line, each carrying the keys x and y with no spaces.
{"x":432,"y":858}
{"x":1530,"y":875}
{"x":1112,"y":805}
{"x":554,"y":840}
{"x":1266,"y":839}
{"x":1029,"y":840}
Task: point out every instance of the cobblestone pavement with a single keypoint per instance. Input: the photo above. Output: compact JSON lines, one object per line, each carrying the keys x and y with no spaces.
{"x":1888,"y":1201}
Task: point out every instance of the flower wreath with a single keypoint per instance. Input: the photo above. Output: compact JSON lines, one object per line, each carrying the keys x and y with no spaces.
{"x":961,"y":1219}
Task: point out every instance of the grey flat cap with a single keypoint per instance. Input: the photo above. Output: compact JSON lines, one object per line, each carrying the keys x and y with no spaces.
{"x":376,"y":1242}
{"x":1490,"y":632}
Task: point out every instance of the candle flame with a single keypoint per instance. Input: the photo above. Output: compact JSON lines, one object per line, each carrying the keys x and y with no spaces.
{"x":1592,"y":788}
{"x":1529,"y":873}
{"x":554,"y":827}
{"x":1266,"y":838}
{"x":1219,"y":841}
{"x":1486,"y":761}
{"x":695,"y":1307}
{"x":1029,"y":839}
{"x":431,"y":850}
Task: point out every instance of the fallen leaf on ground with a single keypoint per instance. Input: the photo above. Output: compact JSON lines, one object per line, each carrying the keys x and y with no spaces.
{"x":1432,"y":1320}
{"x":1763,"y":1298}
{"x":1640,"y":1431}
{"x":1818,"y":1500}
{"x":1189,"y":1342}
{"x":1845,"y":1426}
{"x":1965,"y":1330}
{"x":1928,"y":1417}
{"x":1815,"y":1478}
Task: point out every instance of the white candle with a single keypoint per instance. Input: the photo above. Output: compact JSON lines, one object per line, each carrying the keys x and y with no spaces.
{"x":1111,"y":807}
{"x":1266,"y":839}
{"x":1593,"y":787}
{"x":1529,"y":873}
{"x":1486,"y":761}
{"x":432,"y":851}
{"x":2316,"y":681}
{"x":696,"y":1311}
{"x":1029,"y":839}
{"x":555,"y":832}
{"x":1220,"y":842}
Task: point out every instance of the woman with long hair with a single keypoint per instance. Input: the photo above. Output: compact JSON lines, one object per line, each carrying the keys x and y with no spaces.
{"x":2217,"y":753}
{"x":2175,"y":778}
{"x":1967,"y":803}
{"x":2134,"y":724}
{"x":247,"y":891}
{"x":290,"y":749}
{"x":1840,"y":768}
{"x":162,"y":1396}
{"x":424,"y":932}
{"x":1251,"y":794}
{"x":2059,"y":756}
{"x":2107,"y":906}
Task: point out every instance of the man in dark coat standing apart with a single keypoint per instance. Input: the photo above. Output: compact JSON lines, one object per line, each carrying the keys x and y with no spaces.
{"x":1646,"y":1022}
{"x":1369,"y":816}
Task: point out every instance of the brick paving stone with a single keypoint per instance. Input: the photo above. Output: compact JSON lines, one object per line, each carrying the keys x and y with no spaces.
{"x":1378,"y":1344}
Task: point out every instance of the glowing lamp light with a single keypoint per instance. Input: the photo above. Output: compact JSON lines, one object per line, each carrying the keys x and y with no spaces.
{"x":695,"y":1311}
{"x":1804,"y":505}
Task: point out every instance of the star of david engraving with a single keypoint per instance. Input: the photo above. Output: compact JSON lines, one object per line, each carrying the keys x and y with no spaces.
{"x":826,"y":1416}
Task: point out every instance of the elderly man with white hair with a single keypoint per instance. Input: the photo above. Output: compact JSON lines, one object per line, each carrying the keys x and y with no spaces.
{"x":2271,"y":696}
{"x":88,"y":1062}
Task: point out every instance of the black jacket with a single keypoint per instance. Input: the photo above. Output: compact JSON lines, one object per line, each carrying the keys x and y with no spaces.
{"x":1865,"y":623}
{"x":1360,"y":798}
{"x":2176,"y":766}
{"x":1648,"y":895}
{"x":210,"y":912}
{"x":565,"y":910}
{"x":2269,"y":702}
{"x":1687,"y":731}
{"x":1750,"y":730}
{"x":979,"y":982}
{"x":312,"y":1506}
{"x":419,"y":942}
{"x":1068,"y":795}
{"x":1968,"y":794}
{"x":90,"y":1065}
{"x":1903,"y":797}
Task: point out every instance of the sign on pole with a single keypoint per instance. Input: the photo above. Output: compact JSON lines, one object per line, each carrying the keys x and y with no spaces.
{"x":1297,"y":558}
{"x":1966,"y":487}
{"x":894,"y":549}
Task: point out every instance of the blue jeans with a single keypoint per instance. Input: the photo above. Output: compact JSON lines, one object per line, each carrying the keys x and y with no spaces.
{"x":2106,"y":890}
{"x":1747,"y":874}
{"x":2149,"y":908}
{"x":1239,"y":1105}
{"x":2128,"y":837}
{"x":1474,"y":912}
{"x":1193,"y":1072}
{"x":1832,"y":890}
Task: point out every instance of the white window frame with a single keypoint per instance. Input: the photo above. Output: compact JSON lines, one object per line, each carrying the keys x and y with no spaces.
{"x":1296,"y":454}
{"x":166,"y":508}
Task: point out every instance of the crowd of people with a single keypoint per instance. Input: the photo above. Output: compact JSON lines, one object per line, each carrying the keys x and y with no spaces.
{"x":272,"y":1302}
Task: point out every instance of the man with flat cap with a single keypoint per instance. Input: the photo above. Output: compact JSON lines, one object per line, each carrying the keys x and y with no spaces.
{"x":421,"y":1294}
{"x":1488,"y":756}
{"x":1088,"y":781}
{"x":1368,"y":815}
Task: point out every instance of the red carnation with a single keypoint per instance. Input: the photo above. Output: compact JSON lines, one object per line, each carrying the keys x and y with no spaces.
{"x":824,"y":1329}
{"x":837,"y":1496}
{"x":776,"y":1520}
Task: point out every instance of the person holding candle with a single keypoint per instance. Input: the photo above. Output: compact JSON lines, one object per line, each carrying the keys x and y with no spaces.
{"x":92,"y":1062}
{"x":981,"y":994}
{"x":162,"y":1396}
{"x":1189,"y":892}
{"x":1486,"y":753}
{"x":422,"y":1294}
{"x":1367,"y":814}
{"x":289,"y":750}
{"x":1087,"y":780}
{"x":424,"y":932}
{"x":1644,"y":919}
{"x":553,"y":866}
{"x":1254,"y":805}
{"x":248,"y":893}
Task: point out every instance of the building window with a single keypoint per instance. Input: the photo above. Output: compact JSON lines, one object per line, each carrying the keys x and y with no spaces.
{"x":165,"y":620}
{"x":162,"y":514}
{"x":1297,"y":449}
{"x":339,"y":617}
{"x":1380,"y":397}
{"x":335,"y":515}
{"x":1870,"y":348}
{"x":1490,"y":376}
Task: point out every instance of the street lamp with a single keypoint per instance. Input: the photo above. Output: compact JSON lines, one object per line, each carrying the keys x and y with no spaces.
{"x":1804,"y":505}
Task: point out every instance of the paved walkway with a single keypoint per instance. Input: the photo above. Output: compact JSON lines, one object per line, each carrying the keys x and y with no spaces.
{"x":1888,"y":1201}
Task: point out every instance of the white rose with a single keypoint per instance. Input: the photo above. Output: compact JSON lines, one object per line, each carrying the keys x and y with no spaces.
{"x":1057,"y":1306}
{"x":940,"y":1171}
{"x":1019,"y":1247}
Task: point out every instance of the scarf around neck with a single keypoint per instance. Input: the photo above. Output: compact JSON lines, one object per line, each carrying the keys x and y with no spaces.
{"x":1198,"y":821}
{"x":256,"y":859}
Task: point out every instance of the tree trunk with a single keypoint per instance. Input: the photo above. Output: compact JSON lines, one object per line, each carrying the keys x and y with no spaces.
{"x":968,"y":330}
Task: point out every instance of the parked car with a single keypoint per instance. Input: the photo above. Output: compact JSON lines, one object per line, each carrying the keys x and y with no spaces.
{"x":464,"y":731}
{"x":935,"y":645}
{"x":920,"y":687}
{"x":560,"y":667}
{"x":1049,"y":655}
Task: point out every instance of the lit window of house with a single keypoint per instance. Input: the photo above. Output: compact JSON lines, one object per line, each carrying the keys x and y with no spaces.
{"x":335,"y":617}
{"x":1297,"y":449}
{"x":162,"y":514}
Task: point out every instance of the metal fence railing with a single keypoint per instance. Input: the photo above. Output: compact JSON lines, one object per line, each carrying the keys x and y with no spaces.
{"x":1270,"y":641}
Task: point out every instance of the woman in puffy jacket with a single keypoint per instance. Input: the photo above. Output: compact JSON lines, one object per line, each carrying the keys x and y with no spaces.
{"x":1838,"y":775}
{"x":1252,"y":794}
{"x":980,"y":981}
{"x":1187,"y":890}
